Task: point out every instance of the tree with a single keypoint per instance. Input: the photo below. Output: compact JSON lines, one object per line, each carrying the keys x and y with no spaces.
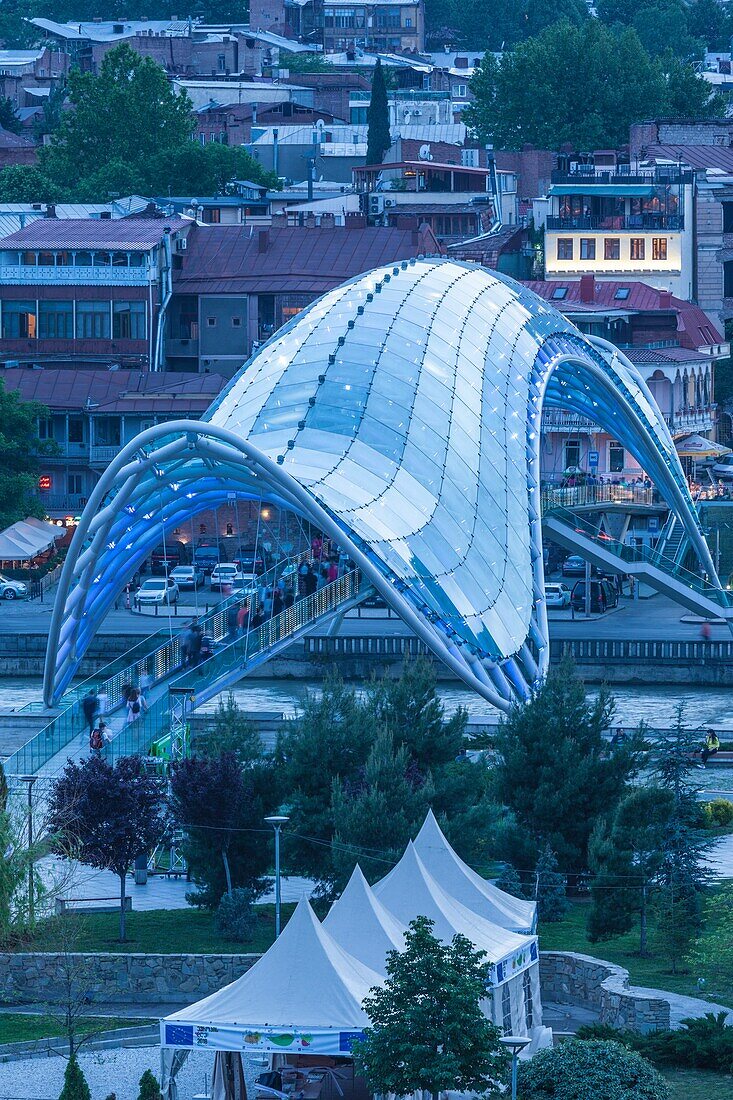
{"x":709,"y":21}
{"x":427,"y":1029}
{"x":149,"y":1088}
{"x":106,"y":816}
{"x":376,"y":815}
{"x":75,"y":1083}
{"x":9,"y":119}
{"x":195,"y":169}
{"x":19,"y":447}
{"x":531,"y":94}
{"x":378,"y":135}
{"x":712,"y":953}
{"x":232,"y":731}
{"x":663,"y":26}
{"x":129,"y":114}
{"x":550,"y":894}
{"x":219,"y":802}
{"x":590,"y":1070}
{"x":26,"y":184}
{"x":555,"y":771}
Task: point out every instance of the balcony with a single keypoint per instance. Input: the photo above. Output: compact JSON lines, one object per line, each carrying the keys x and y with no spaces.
{"x":101,"y":454}
{"x":558,"y":420}
{"x":692,"y":419}
{"x":70,"y":504}
{"x":27,"y":275}
{"x":635,"y":223}
{"x":667,"y":174}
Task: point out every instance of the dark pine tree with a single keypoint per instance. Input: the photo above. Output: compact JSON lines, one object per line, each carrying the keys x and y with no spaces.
{"x":378,"y":136}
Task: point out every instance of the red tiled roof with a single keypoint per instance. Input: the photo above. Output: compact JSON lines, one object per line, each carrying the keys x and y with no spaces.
{"x":694,"y":327}
{"x":121,"y":233}
{"x":227,"y":260}
{"x":9,"y":140}
{"x":115,"y":391}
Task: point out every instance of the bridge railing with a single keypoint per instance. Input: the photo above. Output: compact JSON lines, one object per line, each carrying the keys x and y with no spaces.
{"x":574,"y":496}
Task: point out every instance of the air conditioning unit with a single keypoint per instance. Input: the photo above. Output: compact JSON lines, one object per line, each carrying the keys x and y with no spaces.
{"x":181,"y":244}
{"x":390,"y":202}
{"x":376,"y":205}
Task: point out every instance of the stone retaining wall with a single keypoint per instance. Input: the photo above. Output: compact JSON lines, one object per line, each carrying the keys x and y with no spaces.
{"x":35,"y":977}
{"x":569,"y":978}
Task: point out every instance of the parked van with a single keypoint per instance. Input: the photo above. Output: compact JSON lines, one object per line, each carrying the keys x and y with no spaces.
{"x":166,"y":557}
{"x":602,"y":596}
{"x":207,"y":556}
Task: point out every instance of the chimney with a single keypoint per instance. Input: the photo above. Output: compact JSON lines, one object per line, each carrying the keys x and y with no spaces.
{"x":328,"y":220}
{"x":587,"y":288}
{"x":50,"y":211}
{"x":279,"y":220}
{"x":665,"y":299}
{"x":263,"y":240}
{"x":310,"y":220}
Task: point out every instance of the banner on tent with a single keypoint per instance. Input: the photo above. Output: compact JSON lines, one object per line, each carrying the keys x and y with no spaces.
{"x":515,"y":963}
{"x":269,"y":1040}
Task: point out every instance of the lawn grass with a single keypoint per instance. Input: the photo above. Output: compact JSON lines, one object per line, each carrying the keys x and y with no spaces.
{"x":569,"y":934}
{"x":20,"y":1027}
{"x":156,"y":931}
{"x":698,"y":1084}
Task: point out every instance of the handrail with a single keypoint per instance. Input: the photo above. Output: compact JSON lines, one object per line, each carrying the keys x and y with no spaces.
{"x":578,"y":495}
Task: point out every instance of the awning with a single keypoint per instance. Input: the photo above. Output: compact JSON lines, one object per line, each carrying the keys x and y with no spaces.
{"x":617,"y":190}
{"x":696,"y":446}
{"x":27,"y":539}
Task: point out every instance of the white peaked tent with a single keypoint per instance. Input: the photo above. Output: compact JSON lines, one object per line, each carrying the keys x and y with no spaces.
{"x":409,"y":891}
{"x":362,"y":926}
{"x":464,"y":885}
{"x":303,"y":996}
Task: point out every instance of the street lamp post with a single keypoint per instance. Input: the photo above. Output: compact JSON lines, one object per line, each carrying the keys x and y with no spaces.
{"x":29,"y":780}
{"x":277,"y":821}
{"x":516,"y":1044}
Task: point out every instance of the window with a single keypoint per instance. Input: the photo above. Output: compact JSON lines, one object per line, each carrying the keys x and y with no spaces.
{"x":565,"y":248}
{"x":528,"y":1003}
{"x":211,"y":322}
{"x":73,"y":484}
{"x":559,"y":293}
{"x":45,"y":428}
{"x":408,"y":24}
{"x":28,"y":259}
{"x":45,"y":259}
{"x":622,"y":294}
{"x":587,"y":248}
{"x":82,"y":259}
{"x":571,"y":451}
{"x":120,"y":259}
{"x":461,"y":90}
{"x":236,"y":321}
{"x":19,"y":320}
{"x":76,"y":429}
{"x":612,"y":248}
{"x":506,"y":1009}
{"x":728,"y":217}
{"x":92,"y":320}
{"x":616,"y":457}
{"x":128,"y":321}
{"x":659,"y":248}
{"x":221,"y":62}
{"x":637,"y":248}
{"x":212,"y":216}
{"x":56,"y":320}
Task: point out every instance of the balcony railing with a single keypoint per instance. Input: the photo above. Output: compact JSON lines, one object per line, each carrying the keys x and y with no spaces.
{"x":691,"y":419}
{"x":103,"y":453}
{"x":590,"y":174}
{"x":71,"y":504}
{"x":22,"y":275}
{"x":640,"y":223}
{"x":578,"y":496}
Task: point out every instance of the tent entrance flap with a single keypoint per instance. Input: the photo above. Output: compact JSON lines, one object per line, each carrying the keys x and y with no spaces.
{"x":255,"y":1039}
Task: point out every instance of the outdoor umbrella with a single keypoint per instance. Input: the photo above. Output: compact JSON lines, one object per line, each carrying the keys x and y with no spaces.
{"x":696,"y":446}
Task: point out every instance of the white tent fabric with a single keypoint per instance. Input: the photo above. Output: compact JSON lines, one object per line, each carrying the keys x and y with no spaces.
{"x":304,"y":995}
{"x":409,"y":891}
{"x":463,"y":884}
{"x":26,"y":539}
{"x":362,"y":926}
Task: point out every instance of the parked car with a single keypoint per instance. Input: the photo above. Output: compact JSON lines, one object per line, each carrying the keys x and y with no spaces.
{"x":723,"y":468}
{"x":162,"y":590}
{"x":602,"y":596}
{"x":250,"y":563}
{"x":188,"y":576}
{"x":165,"y":558}
{"x":207,"y":557}
{"x":574,"y":566}
{"x":557,"y":596}
{"x":12,"y":590}
{"x":226,"y":572}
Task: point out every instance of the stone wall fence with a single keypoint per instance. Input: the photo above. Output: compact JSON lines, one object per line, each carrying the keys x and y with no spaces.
{"x":569,"y":978}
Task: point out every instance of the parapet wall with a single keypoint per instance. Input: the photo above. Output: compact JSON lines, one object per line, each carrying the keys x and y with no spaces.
{"x":569,"y":978}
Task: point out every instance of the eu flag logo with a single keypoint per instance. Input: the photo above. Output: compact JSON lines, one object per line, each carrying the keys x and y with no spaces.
{"x":179,"y":1035}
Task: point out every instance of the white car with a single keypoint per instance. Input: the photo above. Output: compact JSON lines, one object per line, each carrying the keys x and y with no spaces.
{"x":162,"y":590}
{"x":187,"y":576}
{"x":225,"y":573}
{"x":723,"y":468}
{"x":12,"y":590}
{"x":557,"y":596}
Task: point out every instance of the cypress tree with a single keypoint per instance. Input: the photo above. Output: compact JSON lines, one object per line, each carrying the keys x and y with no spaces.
{"x":378,"y":136}
{"x":75,"y":1083}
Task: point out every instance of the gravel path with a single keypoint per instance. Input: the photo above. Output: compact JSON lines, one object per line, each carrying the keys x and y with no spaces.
{"x":106,"y":1071}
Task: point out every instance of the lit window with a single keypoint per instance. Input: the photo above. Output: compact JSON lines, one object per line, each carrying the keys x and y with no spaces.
{"x":612,"y":248}
{"x":659,"y":248}
{"x":637,"y":248}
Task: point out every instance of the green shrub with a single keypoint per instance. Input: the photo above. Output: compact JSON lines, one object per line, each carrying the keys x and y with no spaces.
{"x":75,"y":1083}
{"x":607,"y":1033}
{"x":235,"y":917}
{"x":718,"y":812}
{"x":149,"y":1089}
{"x":591,"y":1070}
{"x":705,"y":1043}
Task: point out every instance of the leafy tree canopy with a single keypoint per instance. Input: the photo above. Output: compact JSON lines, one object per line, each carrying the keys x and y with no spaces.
{"x":27,"y":184}
{"x":427,"y":1029}
{"x":581,"y":85}
{"x":19,"y":445}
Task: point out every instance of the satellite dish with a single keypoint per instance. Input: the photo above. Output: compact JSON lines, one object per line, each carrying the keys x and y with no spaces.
{"x":425,"y":153}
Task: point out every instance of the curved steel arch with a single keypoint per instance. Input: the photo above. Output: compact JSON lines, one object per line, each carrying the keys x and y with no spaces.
{"x":324,"y":421}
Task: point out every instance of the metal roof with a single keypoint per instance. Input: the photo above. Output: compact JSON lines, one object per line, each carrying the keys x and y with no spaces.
{"x":119,"y":390}
{"x":123,"y":233}
{"x":592,"y":186}
{"x":699,"y":157}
